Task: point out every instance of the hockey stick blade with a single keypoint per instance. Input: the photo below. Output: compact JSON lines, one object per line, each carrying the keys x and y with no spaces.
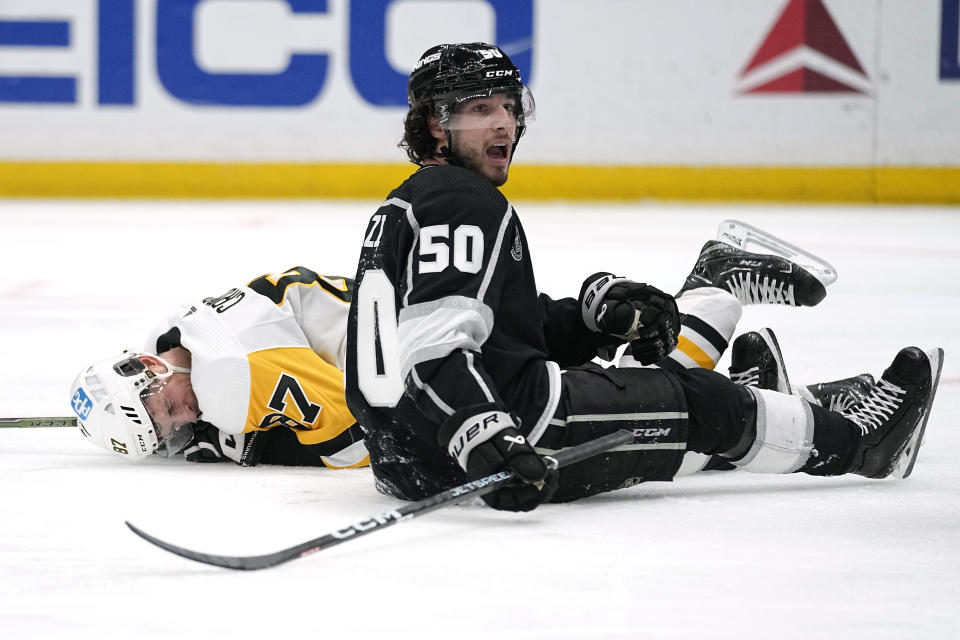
{"x":754,"y":240}
{"x":38,"y":422}
{"x":386,"y":519}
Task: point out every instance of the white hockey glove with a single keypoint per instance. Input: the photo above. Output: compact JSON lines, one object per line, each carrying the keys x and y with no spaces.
{"x":642,"y":315}
{"x":483,"y":439}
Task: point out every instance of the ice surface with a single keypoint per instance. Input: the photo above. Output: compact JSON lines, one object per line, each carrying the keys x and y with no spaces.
{"x":722,"y":555}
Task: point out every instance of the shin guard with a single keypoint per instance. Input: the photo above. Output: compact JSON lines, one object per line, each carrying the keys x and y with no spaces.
{"x":784,"y":435}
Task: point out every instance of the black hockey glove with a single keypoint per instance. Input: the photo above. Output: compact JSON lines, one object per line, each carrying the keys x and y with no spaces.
{"x":209,"y":444}
{"x":642,"y":315}
{"x":484,"y":440}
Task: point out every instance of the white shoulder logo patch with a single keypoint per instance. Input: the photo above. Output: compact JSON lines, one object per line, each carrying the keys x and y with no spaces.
{"x":517,"y":250}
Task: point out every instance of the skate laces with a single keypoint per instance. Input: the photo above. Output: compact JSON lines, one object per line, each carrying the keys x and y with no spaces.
{"x":748,"y":378}
{"x":841,"y":402}
{"x":751,"y":288}
{"x":877,"y":407}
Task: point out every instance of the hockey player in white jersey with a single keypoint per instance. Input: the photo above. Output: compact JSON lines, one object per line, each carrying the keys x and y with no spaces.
{"x":253,"y":375}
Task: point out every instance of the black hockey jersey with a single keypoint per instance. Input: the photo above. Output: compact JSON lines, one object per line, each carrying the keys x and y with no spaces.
{"x":445,"y":315}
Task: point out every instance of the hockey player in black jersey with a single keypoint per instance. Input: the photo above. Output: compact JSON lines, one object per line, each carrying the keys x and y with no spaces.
{"x":457,"y":367}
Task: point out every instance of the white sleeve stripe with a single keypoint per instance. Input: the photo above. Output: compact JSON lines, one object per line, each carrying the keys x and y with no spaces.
{"x":422,"y":309}
{"x":443,"y":406}
{"x":415,"y":227}
{"x":550,"y":408}
{"x":476,"y":375}
{"x":495,"y":254}
{"x":439,"y":333}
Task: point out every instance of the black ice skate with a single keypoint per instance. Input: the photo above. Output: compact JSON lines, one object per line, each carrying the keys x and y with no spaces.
{"x":754,"y":278}
{"x":756,"y":361}
{"x":893,"y":417}
{"x":839,"y":395}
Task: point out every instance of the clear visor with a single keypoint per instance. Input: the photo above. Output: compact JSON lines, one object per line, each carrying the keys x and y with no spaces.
{"x":487,"y":109}
{"x":171,"y":417}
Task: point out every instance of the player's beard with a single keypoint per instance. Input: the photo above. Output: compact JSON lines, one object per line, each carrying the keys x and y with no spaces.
{"x":474,"y":160}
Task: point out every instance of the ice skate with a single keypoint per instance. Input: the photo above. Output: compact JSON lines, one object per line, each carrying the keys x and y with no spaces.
{"x":754,"y":278}
{"x":759,"y":268}
{"x":756,"y":361}
{"x":893,"y":416}
{"x":839,"y":395}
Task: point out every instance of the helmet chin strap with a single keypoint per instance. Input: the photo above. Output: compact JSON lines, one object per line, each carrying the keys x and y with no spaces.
{"x":446,"y":151}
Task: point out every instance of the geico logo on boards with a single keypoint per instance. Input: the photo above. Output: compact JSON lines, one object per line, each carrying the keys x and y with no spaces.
{"x":652,"y":432}
{"x":174,"y":39}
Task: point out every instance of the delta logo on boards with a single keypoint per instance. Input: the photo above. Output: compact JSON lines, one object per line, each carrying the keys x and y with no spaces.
{"x":804,"y":52}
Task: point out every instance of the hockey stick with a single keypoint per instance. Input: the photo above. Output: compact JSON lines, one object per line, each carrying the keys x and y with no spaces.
{"x":38,"y":422}
{"x":407,"y":512}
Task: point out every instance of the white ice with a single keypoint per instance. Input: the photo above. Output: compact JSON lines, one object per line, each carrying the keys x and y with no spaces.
{"x":721,"y":555}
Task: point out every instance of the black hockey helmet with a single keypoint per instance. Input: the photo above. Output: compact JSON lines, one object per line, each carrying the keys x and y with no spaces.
{"x":448,"y":75}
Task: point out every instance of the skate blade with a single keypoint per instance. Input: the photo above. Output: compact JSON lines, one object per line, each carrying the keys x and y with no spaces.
{"x":749,"y":238}
{"x":783,"y":380}
{"x":908,"y":458}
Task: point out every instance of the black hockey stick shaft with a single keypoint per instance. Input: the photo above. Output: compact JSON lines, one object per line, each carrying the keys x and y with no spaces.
{"x":386,"y":519}
{"x":38,"y":422}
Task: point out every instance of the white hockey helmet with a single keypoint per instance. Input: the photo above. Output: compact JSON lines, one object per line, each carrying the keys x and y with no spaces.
{"x":107,"y":398}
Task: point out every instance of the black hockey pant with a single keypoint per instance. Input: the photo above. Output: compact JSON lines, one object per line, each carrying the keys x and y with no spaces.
{"x":669,"y":412}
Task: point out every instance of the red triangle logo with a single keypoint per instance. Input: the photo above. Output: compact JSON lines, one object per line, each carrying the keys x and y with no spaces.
{"x":803,"y":80}
{"x":805,"y":23}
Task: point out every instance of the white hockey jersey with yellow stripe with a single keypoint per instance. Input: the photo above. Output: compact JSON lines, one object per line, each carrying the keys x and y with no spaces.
{"x":270,"y":355}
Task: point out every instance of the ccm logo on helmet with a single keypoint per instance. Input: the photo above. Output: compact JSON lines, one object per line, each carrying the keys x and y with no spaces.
{"x":502,"y":73}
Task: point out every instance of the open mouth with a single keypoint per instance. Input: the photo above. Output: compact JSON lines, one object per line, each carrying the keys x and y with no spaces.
{"x":497,"y":151}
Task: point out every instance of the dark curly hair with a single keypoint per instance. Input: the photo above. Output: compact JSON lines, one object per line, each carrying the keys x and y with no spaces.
{"x":418,"y":142}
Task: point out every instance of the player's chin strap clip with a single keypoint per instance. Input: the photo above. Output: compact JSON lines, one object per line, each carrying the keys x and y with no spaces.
{"x":448,"y":156}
